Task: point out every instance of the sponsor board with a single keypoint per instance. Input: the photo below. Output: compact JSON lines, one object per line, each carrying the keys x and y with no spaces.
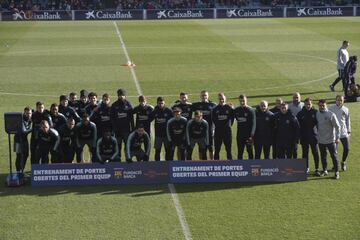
{"x":36,"y":15}
{"x":250,"y":13}
{"x":109,"y":15}
{"x":180,"y":14}
{"x":280,"y":170}
{"x":98,"y":174}
{"x":320,"y":11}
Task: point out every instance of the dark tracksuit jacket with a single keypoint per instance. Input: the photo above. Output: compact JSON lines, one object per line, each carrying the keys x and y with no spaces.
{"x":186,"y":109}
{"x":22,"y":144}
{"x":101,"y":116}
{"x":133,"y":146}
{"x":69,"y":112}
{"x":160,"y":118}
{"x":68,"y":144}
{"x":122,"y":118}
{"x":143,"y":116}
{"x":46,"y":143}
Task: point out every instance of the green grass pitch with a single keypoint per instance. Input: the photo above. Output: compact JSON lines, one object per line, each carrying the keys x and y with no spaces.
{"x":262,"y":58}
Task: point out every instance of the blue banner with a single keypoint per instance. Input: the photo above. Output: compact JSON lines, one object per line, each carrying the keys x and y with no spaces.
{"x":250,"y":13}
{"x":180,"y":14}
{"x":109,"y":15}
{"x":36,"y":15}
{"x":320,"y":11}
{"x":280,"y":170}
{"x":99,"y":174}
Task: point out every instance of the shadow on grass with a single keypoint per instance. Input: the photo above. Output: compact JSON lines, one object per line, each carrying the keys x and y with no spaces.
{"x":131,"y":190}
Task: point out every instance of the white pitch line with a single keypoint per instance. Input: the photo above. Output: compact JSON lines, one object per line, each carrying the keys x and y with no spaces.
{"x":174,"y":195}
{"x":138,"y":89}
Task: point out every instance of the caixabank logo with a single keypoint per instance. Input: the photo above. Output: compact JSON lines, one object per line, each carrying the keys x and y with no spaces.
{"x":94,"y":15}
{"x":40,"y":15}
{"x":248,"y":13}
{"x":176,"y":14}
{"x":303,"y":12}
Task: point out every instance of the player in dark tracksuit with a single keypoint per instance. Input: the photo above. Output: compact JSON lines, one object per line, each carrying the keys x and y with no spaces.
{"x":143,"y":114}
{"x":308,"y":134}
{"x":287,"y":132}
{"x":101,"y":116}
{"x":86,"y":134}
{"x":274,"y":110}
{"x":74,"y":102}
{"x":206,"y":106}
{"x":89,"y":108}
{"x":67,"y":145}
{"x":135,"y":140}
{"x":82,"y":103}
{"x":197,"y":131}
{"x":47,"y":141}
{"x":57,"y":118}
{"x":21,"y":141}
{"x":161,"y":115}
{"x":37,"y":117}
{"x":66,"y":110}
{"x":176,"y":133}
{"x":264,"y":136}
{"x":223,"y":119}
{"x":184,"y":105}
{"x":349,"y":73}
{"x":246,"y":125}
{"x":107,"y":149}
{"x":122,"y":119}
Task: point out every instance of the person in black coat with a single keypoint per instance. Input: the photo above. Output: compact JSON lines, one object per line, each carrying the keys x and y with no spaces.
{"x":286,"y":132}
{"x":308,"y":133}
{"x":263,"y":137}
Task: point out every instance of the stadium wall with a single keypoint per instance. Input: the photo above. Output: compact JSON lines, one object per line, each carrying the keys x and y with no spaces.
{"x":168,"y":14}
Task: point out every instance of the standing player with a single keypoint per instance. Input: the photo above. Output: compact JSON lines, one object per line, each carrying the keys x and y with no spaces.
{"x":66,"y":110}
{"x":277,"y":107}
{"x":21,"y":141}
{"x":101,"y":116}
{"x":308,"y":134}
{"x":143,"y":112}
{"x":184,"y":105}
{"x":161,"y":115}
{"x":176,"y":133}
{"x":57,"y":118}
{"x":343,"y":116}
{"x":246,"y":125}
{"x":37,"y":117}
{"x":295,"y":107}
{"x":206,"y":106}
{"x":286,"y":132}
{"x":197,"y":131}
{"x":328,"y":135}
{"x":133,"y":146}
{"x":47,"y":141}
{"x":223,"y":118}
{"x":121,"y":119}
{"x":107,"y":149}
{"x":349,"y":72}
{"x":83,"y":102}
{"x":68,"y":145}
{"x":342,"y":57}
{"x":264,"y":136}
{"x":86,"y":134}
{"x":92,"y":103}
{"x":73,"y":101}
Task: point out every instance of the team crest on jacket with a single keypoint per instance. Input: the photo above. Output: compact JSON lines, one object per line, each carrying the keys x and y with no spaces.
{"x":245,"y":114}
{"x":313,"y":116}
{"x":267,"y":118}
{"x":287,"y":121}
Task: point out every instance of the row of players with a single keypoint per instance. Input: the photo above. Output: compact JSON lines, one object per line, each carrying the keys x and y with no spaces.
{"x":68,"y":127}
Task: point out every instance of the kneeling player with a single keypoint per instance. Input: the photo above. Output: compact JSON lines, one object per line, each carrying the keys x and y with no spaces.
{"x":197,"y":131}
{"x":107,"y":149}
{"x":134,"y":142}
